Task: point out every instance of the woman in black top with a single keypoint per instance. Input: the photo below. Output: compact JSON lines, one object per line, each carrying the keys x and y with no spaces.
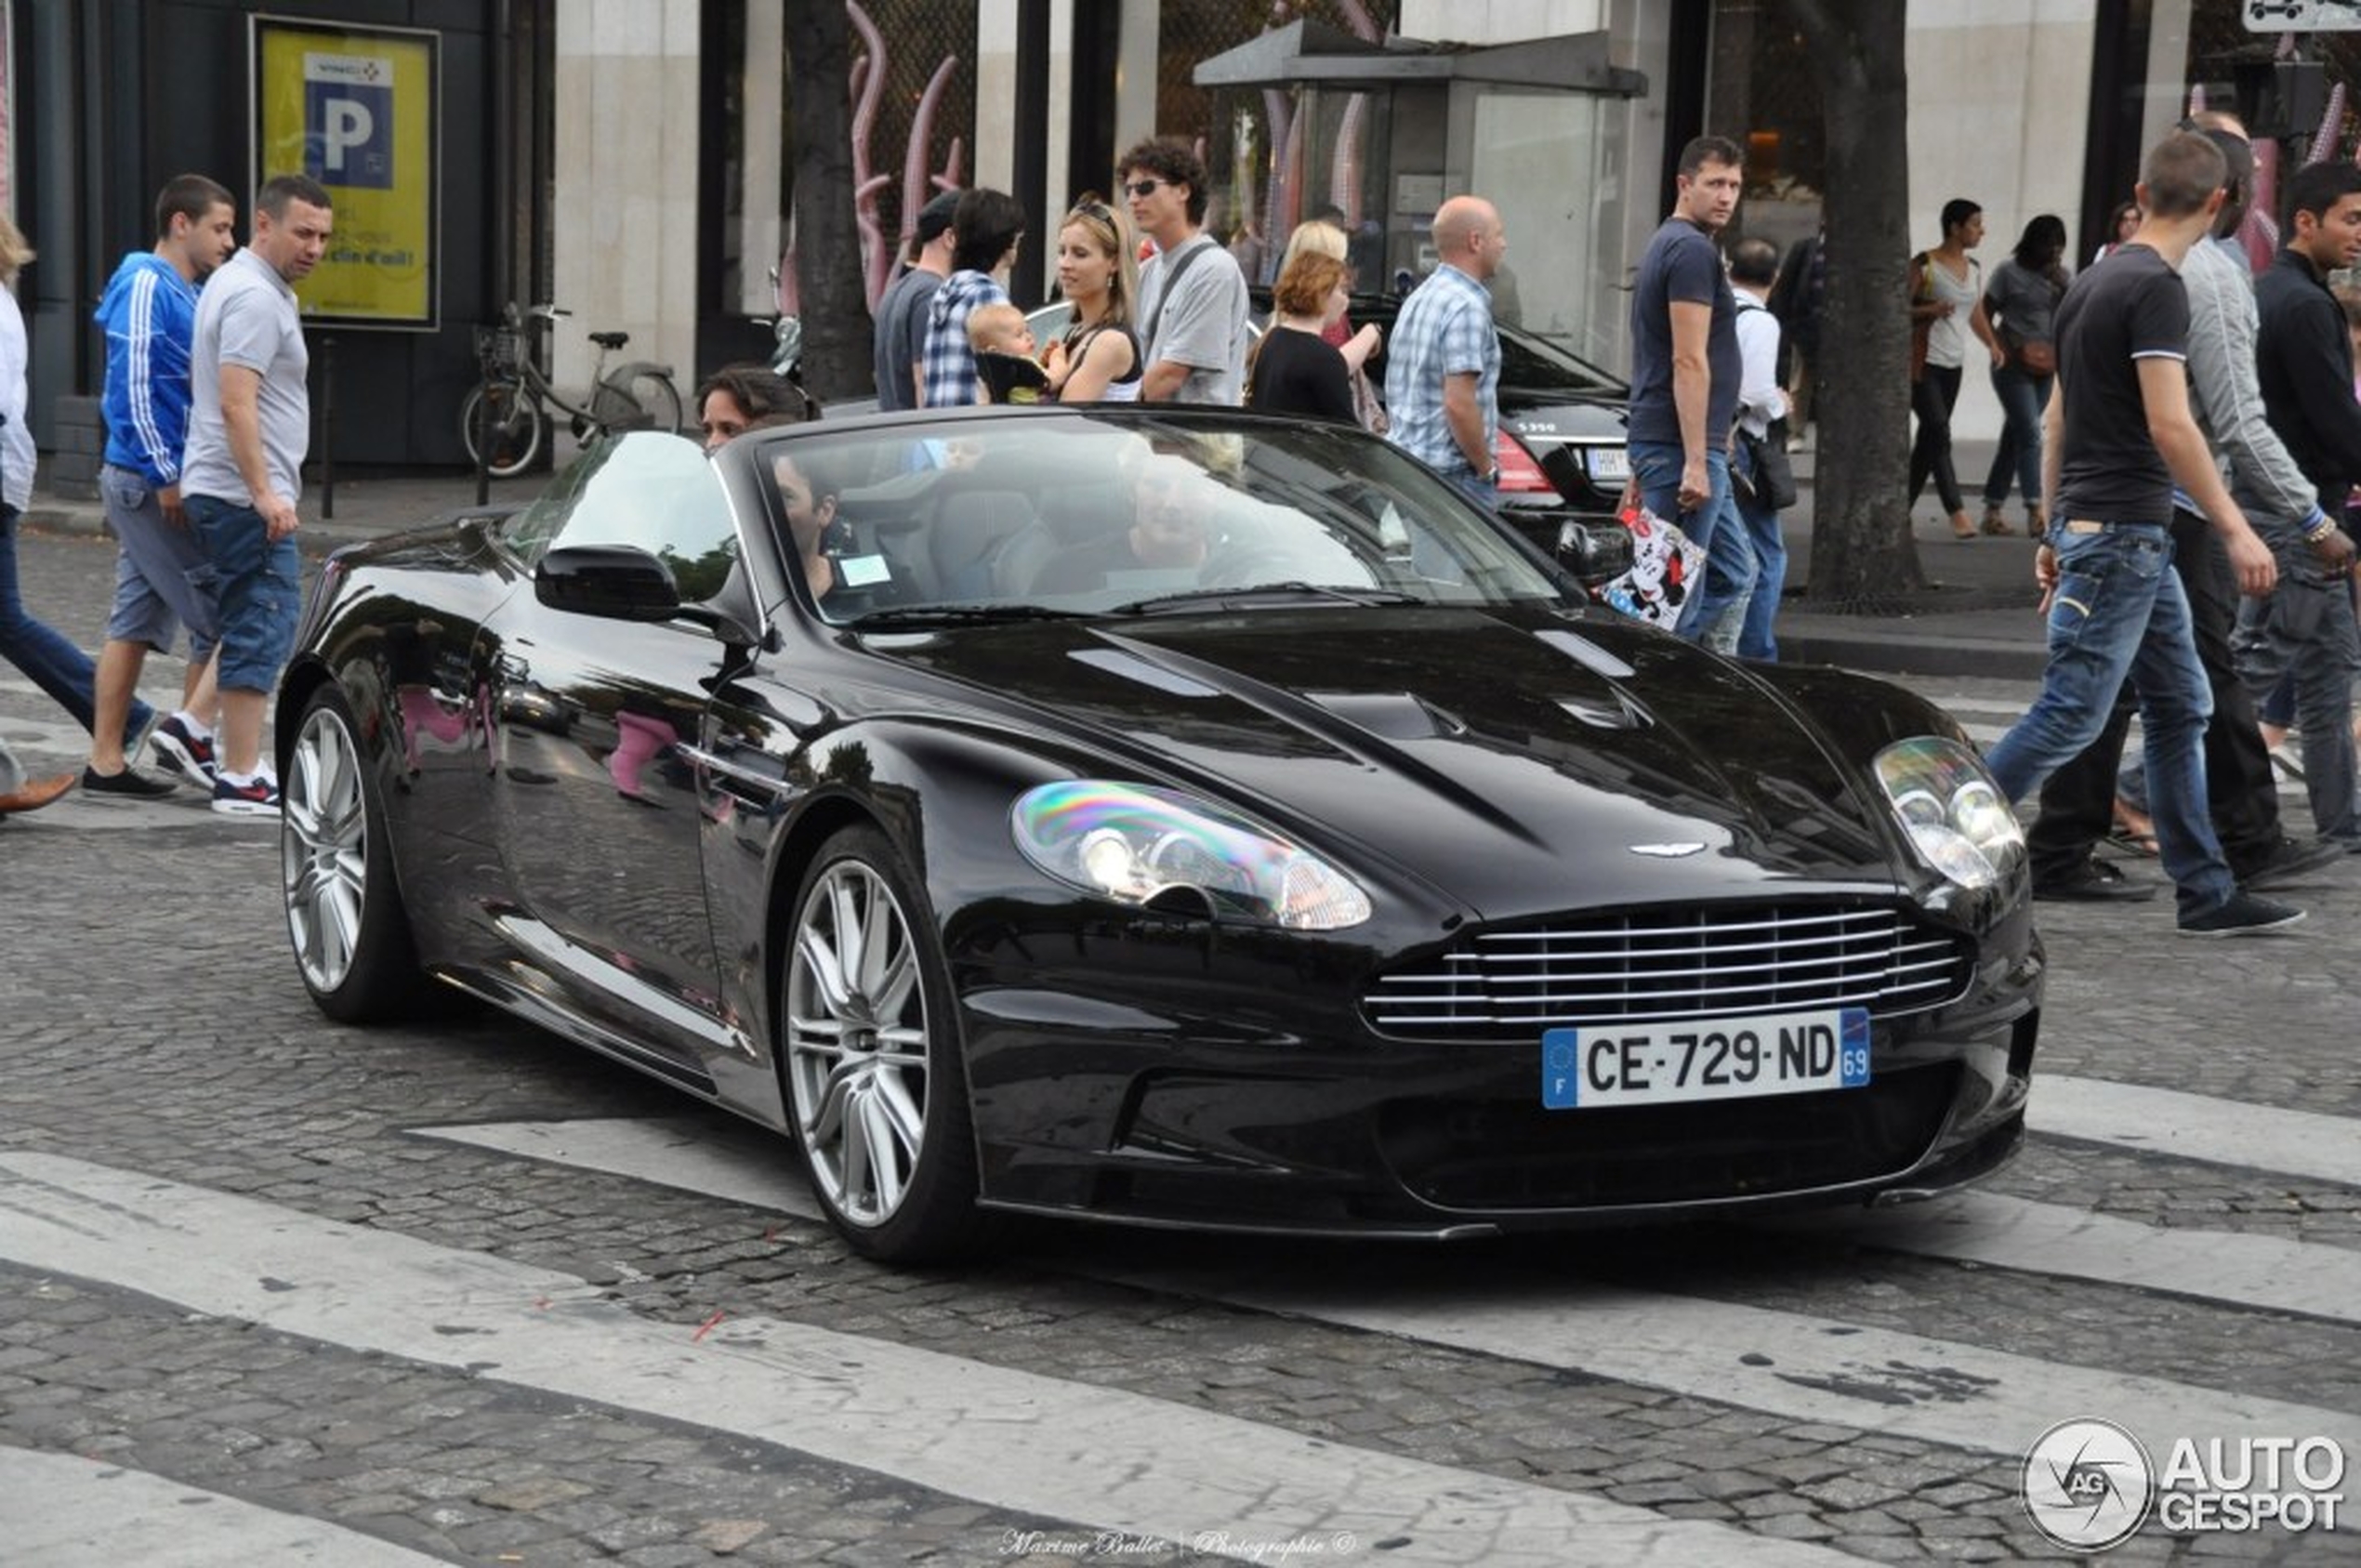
{"x":1295,"y":371}
{"x":1098,"y":360}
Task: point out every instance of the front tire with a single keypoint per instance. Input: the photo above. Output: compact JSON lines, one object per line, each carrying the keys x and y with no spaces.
{"x":351,"y":936}
{"x":869,"y":1046}
{"x":519,"y":427}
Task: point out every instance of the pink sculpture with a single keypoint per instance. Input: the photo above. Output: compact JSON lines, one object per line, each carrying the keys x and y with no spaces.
{"x":867,"y":81}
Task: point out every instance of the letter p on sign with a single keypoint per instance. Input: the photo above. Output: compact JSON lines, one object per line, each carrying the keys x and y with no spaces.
{"x":347,"y":120}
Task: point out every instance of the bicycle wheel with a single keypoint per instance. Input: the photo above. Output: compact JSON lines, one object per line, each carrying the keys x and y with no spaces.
{"x":642,"y":400}
{"x":517,"y":423}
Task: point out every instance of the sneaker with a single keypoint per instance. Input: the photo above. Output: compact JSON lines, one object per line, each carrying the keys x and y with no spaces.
{"x":2093,"y":881}
{"x":2289,"y":863}
{"x":258,"y":797}
{"x":179,"y":751}
{"x":2244,"y":914}
{"x":130,"y":782}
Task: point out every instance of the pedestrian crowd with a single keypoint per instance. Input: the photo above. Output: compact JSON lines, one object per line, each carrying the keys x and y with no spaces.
{"x":2182,"y":438}
{"x":208,"y":419}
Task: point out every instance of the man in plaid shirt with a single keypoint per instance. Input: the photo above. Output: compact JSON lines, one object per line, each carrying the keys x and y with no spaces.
{"x":1442,"y":368}
{"x":985,"y":229}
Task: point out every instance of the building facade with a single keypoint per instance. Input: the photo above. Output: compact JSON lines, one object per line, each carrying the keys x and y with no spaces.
{"x":629,"y":159}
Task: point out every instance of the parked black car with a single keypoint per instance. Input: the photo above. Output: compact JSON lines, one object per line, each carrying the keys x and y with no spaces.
{"x":1172,"y":815}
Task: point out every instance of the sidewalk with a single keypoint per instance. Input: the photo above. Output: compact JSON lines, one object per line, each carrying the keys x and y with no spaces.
{"x":1993,"y":632}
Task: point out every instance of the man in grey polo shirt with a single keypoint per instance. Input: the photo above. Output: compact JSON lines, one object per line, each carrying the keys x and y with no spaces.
{"x":249,"y":425}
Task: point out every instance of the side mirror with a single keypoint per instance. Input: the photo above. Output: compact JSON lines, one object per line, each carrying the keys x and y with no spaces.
{"x":615,"y":581}
{"x":1594,"y":553}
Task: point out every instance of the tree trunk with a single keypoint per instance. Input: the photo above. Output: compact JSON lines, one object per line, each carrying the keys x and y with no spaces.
{"x":1862,"y":555}
{"x":827,"y":241}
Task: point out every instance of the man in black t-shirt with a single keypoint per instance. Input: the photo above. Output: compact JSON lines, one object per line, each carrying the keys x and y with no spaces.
{"x":2118,"y":433}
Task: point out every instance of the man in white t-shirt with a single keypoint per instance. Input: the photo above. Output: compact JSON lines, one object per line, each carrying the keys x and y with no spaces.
{"x":1193,"y":298}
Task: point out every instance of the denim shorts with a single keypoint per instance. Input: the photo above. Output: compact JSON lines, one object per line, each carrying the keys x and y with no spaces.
{"x":261,"y":590}
{"x":162,"y":578}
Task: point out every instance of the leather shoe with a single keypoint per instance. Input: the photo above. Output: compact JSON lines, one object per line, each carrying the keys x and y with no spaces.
{"x":2093,"y":881}
{"x":2288,"y":862}
{"x":35,"y":795}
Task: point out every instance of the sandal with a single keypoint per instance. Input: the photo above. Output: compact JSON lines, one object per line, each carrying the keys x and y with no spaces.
{"x":1993,"y":523}
{"x":1961,"y":527}
{"x":2134,"y":833}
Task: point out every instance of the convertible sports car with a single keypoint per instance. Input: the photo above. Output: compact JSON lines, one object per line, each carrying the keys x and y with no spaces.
{"x":1176,"y":816}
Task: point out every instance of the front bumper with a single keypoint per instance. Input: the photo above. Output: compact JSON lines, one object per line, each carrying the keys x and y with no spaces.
{"x":1228,"y":1101}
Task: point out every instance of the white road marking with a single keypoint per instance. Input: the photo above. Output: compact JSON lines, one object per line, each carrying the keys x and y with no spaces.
{"x":1070,"y":1452}
{"x":1804,"y":1368}
{"x":2197,"y":1127}
{"x":61,"y":1511}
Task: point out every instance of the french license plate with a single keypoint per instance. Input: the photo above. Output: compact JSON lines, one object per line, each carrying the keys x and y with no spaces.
{"x":1608,"y":465}
{"x":1714,"y":1059}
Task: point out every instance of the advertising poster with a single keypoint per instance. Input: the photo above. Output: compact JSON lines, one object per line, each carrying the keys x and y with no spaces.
{"x":354,"y":108}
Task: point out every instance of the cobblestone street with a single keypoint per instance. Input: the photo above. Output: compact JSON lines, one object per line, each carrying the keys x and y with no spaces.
{"x":462,"y":1291}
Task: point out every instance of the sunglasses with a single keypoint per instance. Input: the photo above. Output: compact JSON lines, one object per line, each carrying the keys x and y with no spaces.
{"x":1143,"y":188}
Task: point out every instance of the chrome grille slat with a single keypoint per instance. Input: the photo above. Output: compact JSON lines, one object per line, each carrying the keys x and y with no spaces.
{"x":1656,"y":966}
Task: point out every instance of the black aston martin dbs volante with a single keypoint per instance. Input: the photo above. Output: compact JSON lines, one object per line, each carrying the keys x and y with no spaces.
{"x":1177,"y":816}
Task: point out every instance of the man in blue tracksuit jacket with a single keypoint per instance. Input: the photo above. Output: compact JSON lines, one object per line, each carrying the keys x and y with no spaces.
{"x":163,"y":580}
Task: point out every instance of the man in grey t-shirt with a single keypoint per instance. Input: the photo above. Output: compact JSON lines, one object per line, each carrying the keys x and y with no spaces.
{"x":902,"y":314}
{"x":249,"y":425}
{"x":1193,"y":298}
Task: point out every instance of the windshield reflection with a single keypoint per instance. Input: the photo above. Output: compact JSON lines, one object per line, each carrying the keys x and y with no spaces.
{"x":1041,"y":512}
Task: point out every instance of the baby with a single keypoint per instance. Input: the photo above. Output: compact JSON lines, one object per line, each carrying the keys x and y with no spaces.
{"x":1004,"y":345}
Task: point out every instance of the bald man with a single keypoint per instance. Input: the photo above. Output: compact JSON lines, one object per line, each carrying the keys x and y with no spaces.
{"x":1442,"y":368}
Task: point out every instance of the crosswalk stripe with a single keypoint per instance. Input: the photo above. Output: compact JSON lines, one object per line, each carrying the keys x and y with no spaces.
{"x":1787,"y":1363}
{"x":2197,"y":1126}
{"x":1091,"y":1456}
{"x":62,"y":1511}
{"x":2269,"y":1273}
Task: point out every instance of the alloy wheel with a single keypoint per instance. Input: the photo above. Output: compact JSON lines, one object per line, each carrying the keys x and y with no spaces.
{"x":856,"y":1034}
{"x":323,"y":847}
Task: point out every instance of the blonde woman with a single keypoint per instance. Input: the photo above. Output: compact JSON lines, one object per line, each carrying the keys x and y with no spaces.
{"x":1099,"y":359}
{"x":55,"y":665}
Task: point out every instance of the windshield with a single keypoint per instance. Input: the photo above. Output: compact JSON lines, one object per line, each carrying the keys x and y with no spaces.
{"x":1043,"y":512}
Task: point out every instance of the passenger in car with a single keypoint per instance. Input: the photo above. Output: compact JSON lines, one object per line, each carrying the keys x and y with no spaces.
{"x":1175,"y":510}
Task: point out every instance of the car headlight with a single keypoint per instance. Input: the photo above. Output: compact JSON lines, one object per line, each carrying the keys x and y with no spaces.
{"x":1141,"y":845}
{"x":1952,"y":810}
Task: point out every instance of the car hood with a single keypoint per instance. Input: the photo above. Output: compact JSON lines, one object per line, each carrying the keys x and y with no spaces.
{"x":1520,"y":762}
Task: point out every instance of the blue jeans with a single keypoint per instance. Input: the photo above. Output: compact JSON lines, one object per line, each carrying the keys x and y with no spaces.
{"x":1656,"y":465}
{"x":2119,"y":612}
{"x":260,"y":581}
{"x":2023,"y":397}
{"x":1770,"y":542}
{"x":55,"y":665}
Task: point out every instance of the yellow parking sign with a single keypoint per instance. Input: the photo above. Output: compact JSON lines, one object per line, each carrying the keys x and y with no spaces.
{"x":354,"y":108}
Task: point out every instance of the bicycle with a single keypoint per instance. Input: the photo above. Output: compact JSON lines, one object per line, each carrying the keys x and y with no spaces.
{"x":511,"y":402}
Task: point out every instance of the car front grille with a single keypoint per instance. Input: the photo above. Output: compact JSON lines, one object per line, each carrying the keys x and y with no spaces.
{"x":1511,"y":983}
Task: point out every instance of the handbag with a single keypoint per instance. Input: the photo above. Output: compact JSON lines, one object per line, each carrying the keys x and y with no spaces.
{"x":1767,"y":477}
{"x":1921,"y":327}
{"x":1666,"y":568}
{"x":2038,"y":356}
